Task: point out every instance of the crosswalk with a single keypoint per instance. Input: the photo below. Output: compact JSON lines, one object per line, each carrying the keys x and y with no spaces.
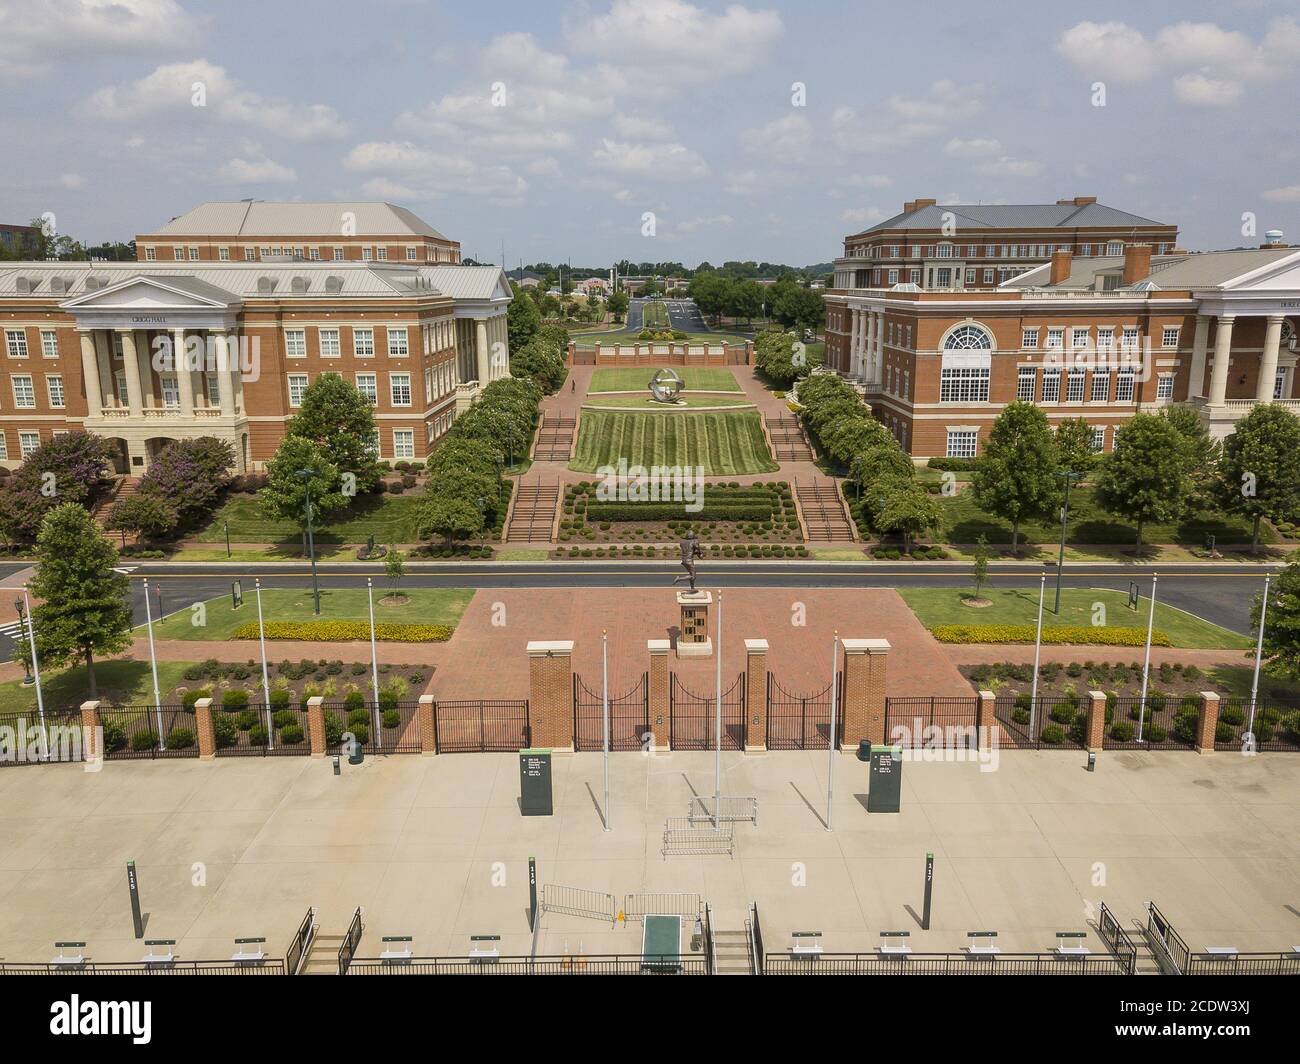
{"x":124,"y":569}
{"x":13,"y":629}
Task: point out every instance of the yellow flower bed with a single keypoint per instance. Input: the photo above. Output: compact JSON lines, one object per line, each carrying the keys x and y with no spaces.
{"x":347,"y":631}
{"x":1058,"y":634}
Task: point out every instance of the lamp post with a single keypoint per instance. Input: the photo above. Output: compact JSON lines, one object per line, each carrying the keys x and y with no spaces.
{"x":1069,"y":476}
{"x":153,"y":665}
{"x":830,"y":764}
{"x":36,"y":677}
{"x":306,"y":475}
{"x":225,"y":525}
{"x":266,"y":678}
{"x":22,"y":627}
{"x":1259,"y":657}
{"x":1146,"y":661}
{"x":374,"y":662}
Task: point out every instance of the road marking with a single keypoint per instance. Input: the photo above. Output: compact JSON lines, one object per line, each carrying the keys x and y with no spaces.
{"x":125,"y":569}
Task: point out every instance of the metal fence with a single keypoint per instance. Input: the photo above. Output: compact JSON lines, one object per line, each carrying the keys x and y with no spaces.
{"x":259,"y":730}
{"x":692,"y":717}
{"x":941,"y":964}
{"x":1243,"y":964}
{"x":142,"y":732}
{"x":28,"y":741}
{"x":300,"y":943}
{"x":398,"y":730}
{"x":1167,"y":945}
{"x":351,"y":940}
{"x":268,"y":966}
{"x":565,"y":964}
{"x":802,"y":722}
{"x":1045,"y":723}
{"x":639,"y":906}
{"x":629,"y":716}
{"x":1167,"y":722}
{"x":932,"y":722}
{"x":1117,"y":939}
{"x":481,"y":725}
{"x":578,"y":901}
{"x":1277,"y":724}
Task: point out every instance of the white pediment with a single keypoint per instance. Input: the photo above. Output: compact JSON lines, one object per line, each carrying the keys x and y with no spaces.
{"x":1281,"y":275}
{"x":150,"y":294}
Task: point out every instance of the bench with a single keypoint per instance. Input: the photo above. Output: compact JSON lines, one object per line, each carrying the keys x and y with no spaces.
{"x":1072,"y":951}
{"x":484,"y":954}
{"x":69,"y":960}
{"x":896,"y":951}
{"x":395,"y":954}
{"x":244,"y":955}
{"x":983,"y":951}
{"x":154,"y":956}
{"x":806,"y":943}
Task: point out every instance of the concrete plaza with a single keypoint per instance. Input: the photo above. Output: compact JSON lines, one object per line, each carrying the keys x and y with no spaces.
{"x":436,"y":848}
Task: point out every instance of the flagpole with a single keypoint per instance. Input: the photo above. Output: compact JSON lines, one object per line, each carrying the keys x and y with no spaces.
{"x":374,"y":659}
{"x":266,"y":680}
{"x":604,"y":700}
{"x":1038,"y":649}
{"x":1146,"y":664}
{"x":153,"y":664}
{"x":830,"y":746}
{"x":717,"y":757}
{"x":36,"y":675}
{"x":1259,"y":656}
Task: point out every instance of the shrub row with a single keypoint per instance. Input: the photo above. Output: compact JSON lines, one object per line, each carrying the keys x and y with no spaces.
{"x":667,"y":511}
{"x":1056,"y":634}
{"x":347,"y":631}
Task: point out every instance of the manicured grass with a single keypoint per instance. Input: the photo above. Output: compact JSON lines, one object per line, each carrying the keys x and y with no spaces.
{"x":650,"y":406}
{"x":425,"y":605}
{"x":655,"y":315}
{"x":123,"y":683}
{"x":389,"y":518}
{"x":291,"y":551}
{"x":721,"y":443}
{"x":1236,"y":680}
{"x":940,"y":605}
{"x":637,"y":378}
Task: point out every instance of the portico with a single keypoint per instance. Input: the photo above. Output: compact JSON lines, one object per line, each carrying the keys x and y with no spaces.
{"x":866,"y":346}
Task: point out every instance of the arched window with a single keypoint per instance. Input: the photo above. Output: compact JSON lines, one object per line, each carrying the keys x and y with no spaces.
{"x":968,"y":338}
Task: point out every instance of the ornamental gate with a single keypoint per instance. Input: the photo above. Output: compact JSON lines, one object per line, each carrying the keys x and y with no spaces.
{"x":629,"y":717}
{"x":692,"y":717}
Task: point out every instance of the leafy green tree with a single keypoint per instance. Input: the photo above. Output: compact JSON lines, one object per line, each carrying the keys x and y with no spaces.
{"x":1282,"y":623}
{"x":1144,"y":478}
{"x":522,"y":322}
{"x":394,"y":568}
{"x":1259,"y":475}
{"x":82,"y":610}
{"x":148,"y":515}
{"x":618,"y":305}
{"x":67,"y":468}
{"x":980,"y":564}
{"x":1074,"y":445}
{"x":285,"y":496}
{"x":911,"y":511}
{"x":451,"y":516}
{"x":339,"y":420}
{"x":1015,"y":478}
{"x":745,"y":299}
{"x":541,"y":361}
{"x":1201,"y":454}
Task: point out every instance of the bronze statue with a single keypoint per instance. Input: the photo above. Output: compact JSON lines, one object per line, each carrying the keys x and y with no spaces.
{"x":691,"y":550}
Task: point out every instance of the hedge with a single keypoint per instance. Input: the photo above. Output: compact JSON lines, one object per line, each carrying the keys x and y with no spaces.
{"x":668,"y":511}
{"x":347,"y":631}
{"x":1058,"y":634}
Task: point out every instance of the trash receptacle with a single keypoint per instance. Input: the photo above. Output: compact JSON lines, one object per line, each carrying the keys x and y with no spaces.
{"x":356,"y":752}
{"x":864,"y":750}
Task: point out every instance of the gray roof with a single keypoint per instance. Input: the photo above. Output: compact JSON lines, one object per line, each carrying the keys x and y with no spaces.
{"x":1015,"y":216}
{"x":1183,"y":272}
{"x":260,"y":218}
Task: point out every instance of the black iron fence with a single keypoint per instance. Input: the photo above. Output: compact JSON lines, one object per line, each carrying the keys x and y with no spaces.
{"x":932,"y":722}
{"x":300,"y":943}
{"x":259,"y":730}
{"x":391,"y":729}
{"x":1117,"y":939}
{"x":1243,"y":964}
{"x":268,"y":966}
{"x":1042,"y":723}
{"x":566,"y":964}
{"x":146,"y":732}
{"x":693,"y":717}
{"x":942,"y":964}
{"x":481,"y":725}
{"x":351,"y":940}
{"x":1167,"y":945}
{"x":1276,"y":724}
{"x":629,"y":716}
{"x":803,"y":721}
{"x":1163,"y":722}
{"x":27,"y":738}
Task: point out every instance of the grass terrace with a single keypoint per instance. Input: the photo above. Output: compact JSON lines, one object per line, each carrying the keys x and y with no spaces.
{"x":648,"y":405}
{"x":637,"y":379}
{"x":721,"y":443}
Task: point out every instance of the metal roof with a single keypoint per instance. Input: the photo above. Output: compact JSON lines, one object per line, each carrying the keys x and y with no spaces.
{"x":1183,"y":272}
{"x":1015,"y":216}
{"x":322,"y":220}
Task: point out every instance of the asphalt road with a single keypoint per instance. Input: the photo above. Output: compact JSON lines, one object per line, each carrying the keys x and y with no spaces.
{"x":683,"y":314}
{"x":1221,"y":594}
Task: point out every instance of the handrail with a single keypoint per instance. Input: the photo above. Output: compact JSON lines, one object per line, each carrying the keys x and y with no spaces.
{"x":351,"y":940}
{"x":1167,"y":945}
{"x":1116,"y":939}
{"x":755,"y":940}
{"x":710,"y":954}
{"x":300,"y":945}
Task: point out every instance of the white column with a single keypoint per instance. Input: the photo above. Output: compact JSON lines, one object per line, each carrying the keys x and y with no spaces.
{"x":184,"y":378}
{"x":855,"y":342}
{"x":484,"y":356}
{"x":1268,"y":361}
{"x":876,"y":334}
{"x":144,"y":366}
{"x":90,"y":375}
{"x":131,"y":364}
{"x":104,"y":356}
{"x":225,"y":386}
{"x":1200,"y":343}
{"x":1222,"y":353}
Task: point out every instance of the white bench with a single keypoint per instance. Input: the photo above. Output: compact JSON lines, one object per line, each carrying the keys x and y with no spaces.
{"x":153,"y":957}
{"x":396,"y":954}
{"x":69,"y":960}
{"x":1227,"y":951}
{"x":487,"y":950}
{"x":984,"y":951}
{"x":894,"y":950}
{"x":806,"y":951}
{"x":1073,"y":951}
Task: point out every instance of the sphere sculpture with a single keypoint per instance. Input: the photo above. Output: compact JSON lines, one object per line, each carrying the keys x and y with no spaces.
{"x":666,"y":386}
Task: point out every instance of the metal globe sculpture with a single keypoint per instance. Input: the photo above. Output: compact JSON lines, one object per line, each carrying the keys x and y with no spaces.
{"x":666,"y":386}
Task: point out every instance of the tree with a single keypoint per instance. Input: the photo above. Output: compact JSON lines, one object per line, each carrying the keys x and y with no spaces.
{"x":394,"y":569}
{"x":149,"y":516}
{"x":780,"y":357}
{"x":618,"y":305}
{"x":911,"y":511}
{"x":1074,"y":445}
{"x":1015,"y":478}
{"x":67,"y":468}
{"x":452,"y":516}
{"x":1144,"y":478}
{"x":1259,"y":475}
{"x":980,"y":564}
{"x":540,"y":360}
{"x":187,"y":477}
{"x":1201,"y":454}
{"x":83,"y":607}
{"x":340,"y":421}
{"x":285,"y":496}
{"x":745,"y":299}
{"x":1282,"y":623}
{"x":522,"y":322}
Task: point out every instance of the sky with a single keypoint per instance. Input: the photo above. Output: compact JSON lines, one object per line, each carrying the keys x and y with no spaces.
{"x":652,"y":130}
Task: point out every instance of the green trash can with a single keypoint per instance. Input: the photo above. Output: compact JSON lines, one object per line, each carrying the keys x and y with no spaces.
{"x":356,"y":753}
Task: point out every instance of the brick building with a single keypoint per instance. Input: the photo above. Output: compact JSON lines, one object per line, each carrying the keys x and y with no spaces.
{"x":1093,"y":337}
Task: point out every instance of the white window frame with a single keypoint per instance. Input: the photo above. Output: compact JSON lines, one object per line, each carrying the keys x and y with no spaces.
{"x":1169,"y":336}
{"x":400,"y":449}
{"x":1026,"y":376}
{"x":151,"y":254}
{"x":1051,"y":384}
{"x":24,"y":399}
{"x":964,"y":384}
{"x":295,"y":343}
{"x":49,"y":343}
{"x":170,"y":387}
{"x":399,"y":382}
{"x":368,"y":386}
{"x":1098,"y":441}
{"x":54,"y":390}
{"x":1029,"y":338}
{"x":1074,"y":384}
{"x":223,"y":254}
{"x":330,"y":346}
{"x":1165,"y":386}
{"x":28,"y":442}
{"x":399,"y":342}
{"x":1125,"y":384}
{"x":1055,"y":338}
{"x":963,"y":443}
{"x":1079,"y":336}
{"x":1105,"y":338}
{"x":363,"y":341}
{"x":297,"y":383}
{"x":1100,"y":388}
{"x":16,"y":343}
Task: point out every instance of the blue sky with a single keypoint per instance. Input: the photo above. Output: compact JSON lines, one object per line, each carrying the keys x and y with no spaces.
{"x":557,"y":127}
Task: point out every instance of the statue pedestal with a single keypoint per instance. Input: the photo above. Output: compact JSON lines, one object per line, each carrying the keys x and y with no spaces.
{"x":693,"y":638}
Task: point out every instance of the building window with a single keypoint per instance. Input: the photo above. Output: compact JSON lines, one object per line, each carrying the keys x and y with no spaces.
{"x":297,"y":388}
{"x":123,"y":396}
{"x":250,"y":254}
{"x":1279,"y":384}
{"x":338,"y":257}
{"x":329,"y":343}
{"x":151,"y":254}
{"x":968,"y":338}
{"x":28,"y":442}
{"x":988,"y":276}
{"x":178,"y":254}
{"x":363,"y":343}
{"x":1100,"y":385}
{"x":915,"y":276}
{"x":49,"y":343}
{"x":24,"y":395}
{"x":16,"y":342}
{"x":962,"y":443}
{"x":194,"y":254}
{"x":403,"y":443}
{"x":1051,"y":384}
{"x":366,"y":254}
{"x":1105,"y":338}
{"x":1165,"y":386}
{"x":428,"y":383}
{"x":118,"y":341}
{"x":399,"y":389}
{"x":1085,"y":251}
{"x":372,"y":444}
{"x":1074,"y":384}
{"x":410,"y":254}
{"x":223,"y":254}
{"x":4,"y":446}
{"x":1098,"y":439}
{"x":381,"y":254}
{"x":1026,"y":378}
{"x":1129,"y":339}
{"x":1029,"y":338}
{"x":171,"y":390}
{"x":1124,"y":384}
{"x":1169,"y":336}
{"x":397,"y":343}
{"x":893,"y":277}
{"x":367,"y":385}
{"x":295,"y":343}
{"x":1078,"y":338}
{"x":1114,"y":248}
{"x":54,"y":387}
{"x":314,"y":254}
{"x":1055,"y":338}
{"x":964,"y":384}
{"x":212,"y":388}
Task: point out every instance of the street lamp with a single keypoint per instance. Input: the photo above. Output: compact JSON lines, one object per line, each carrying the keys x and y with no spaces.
{"x":306,"y":475}
{"x":27,"y":667}
{"x":1069,"y":476}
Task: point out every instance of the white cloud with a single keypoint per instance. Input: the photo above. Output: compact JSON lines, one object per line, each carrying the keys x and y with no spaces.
{"x":199,"y":88}
{"x":255,"y":172}
{"x":1285,"y":194}
{"x":905,"y":119}
{"x":72,"y":181}
{"x":975,"y":148}
{"x":545,"y":167}
{"x":694,"y":225}
{"x":1111,"y":51}
{"x":1008,"y":167}
{"x":34,"y":35}
{"x":660,"y":162}
{"x":639,"y":127}
{"x":1199,"y":90}
{"x":863,"y":216}
{"x":787,"y":139}
{"x":399,"y":156}
{"x":1197,"y":43}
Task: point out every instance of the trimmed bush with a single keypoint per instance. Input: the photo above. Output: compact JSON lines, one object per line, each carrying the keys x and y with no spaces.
{"x":235,"y":698}
{"x":180,"y":739}
{"x":1053,"y":734}
{"x":291,"y":735}
{"x":281,"y":697}
{"x":1063,"y":634}
{"x":354,"y":700}
{"x":257,"y":736}
{"x":223,"y":729}
{"x":143,"y":740}
{"x":1122,"y":731}
{"x":190,"y":697}
{"x":246,"y":720}
{"x":284,"y":718}
{"x":114,"y":736}
{"x":392,"y":718}
{"x":333,"y":728}
{"x":348,"y":631}
{"x":1063,"y":713}
{"x":358,"y":717}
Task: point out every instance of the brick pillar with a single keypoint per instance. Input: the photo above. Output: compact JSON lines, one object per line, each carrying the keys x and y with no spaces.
{"x":1096,"y":734}
{"x":985,"y":719}
{"x":203,"y":725}
{"x":424,"y":718}
{"x":316,"y":725}
{"x":550,"y":693}
{"x":864,"y":690}
{"x":659,"y":707}
{"x":1209,"y":720}
{"x":755,"y":696}
{"x":90,"y":736}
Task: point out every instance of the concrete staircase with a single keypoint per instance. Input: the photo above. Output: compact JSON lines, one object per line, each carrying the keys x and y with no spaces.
{"x":789,"y":444}
{"x":323,"y":957}
{"x":123,"y":487}
{"x":532,"y":512}
{"x":555,"y":439}
{"x":825,"y":518}
{"x":731,"y":953}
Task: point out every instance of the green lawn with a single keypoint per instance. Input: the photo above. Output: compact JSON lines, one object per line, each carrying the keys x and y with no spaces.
{"x":721,"y":443}
{"x":123,"y":683}
{"x":637,"y":378}
{"x":426,"y":605}
{"x":1237,"y":679}
{"x":389,"y":518}
{"x":942,"y":605}
{"x":655,"y":315}
{"x":650,"y":406}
